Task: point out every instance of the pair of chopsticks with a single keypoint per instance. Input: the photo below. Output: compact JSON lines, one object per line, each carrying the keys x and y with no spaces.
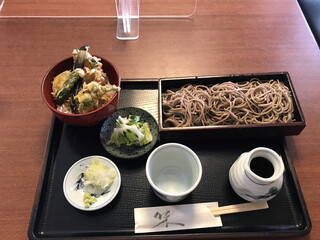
{"x":236,"y":208}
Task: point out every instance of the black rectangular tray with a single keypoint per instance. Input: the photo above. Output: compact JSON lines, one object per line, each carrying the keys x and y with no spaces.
{"x":54,"y":218}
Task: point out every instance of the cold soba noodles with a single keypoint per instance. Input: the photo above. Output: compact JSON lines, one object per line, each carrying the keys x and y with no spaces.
{"x":228,"y":103}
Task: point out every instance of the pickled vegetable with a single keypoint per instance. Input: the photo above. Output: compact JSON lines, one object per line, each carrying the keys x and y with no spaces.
{"x":131,"y":131}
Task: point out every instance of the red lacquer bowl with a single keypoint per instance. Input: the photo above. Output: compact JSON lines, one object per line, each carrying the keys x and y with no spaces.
{"x":85,"y":119}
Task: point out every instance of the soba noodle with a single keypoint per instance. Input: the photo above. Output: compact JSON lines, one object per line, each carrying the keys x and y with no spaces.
{"x":252,"y":102}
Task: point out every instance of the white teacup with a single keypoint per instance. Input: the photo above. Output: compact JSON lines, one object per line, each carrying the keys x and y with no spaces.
{"x":173,"y":171}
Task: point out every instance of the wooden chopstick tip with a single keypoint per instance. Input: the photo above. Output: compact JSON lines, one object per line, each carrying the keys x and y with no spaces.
{"x":237,"y":208}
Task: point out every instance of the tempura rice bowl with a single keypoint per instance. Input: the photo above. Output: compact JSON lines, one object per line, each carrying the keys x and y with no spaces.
{"x":84,"y":119}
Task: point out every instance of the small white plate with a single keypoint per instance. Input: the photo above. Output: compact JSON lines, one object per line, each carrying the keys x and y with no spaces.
{"x":75,"y":197}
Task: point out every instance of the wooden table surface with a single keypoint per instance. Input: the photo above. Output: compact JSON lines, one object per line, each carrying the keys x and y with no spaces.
{"x":223,"y":37}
